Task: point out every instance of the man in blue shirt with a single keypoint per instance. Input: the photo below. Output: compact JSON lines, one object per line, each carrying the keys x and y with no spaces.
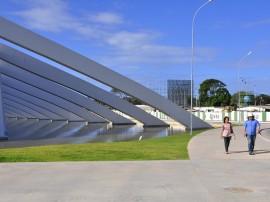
{"x":252,"y":128}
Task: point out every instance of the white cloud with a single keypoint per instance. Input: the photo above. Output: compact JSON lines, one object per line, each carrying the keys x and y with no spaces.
{"x":126,"y":47}
{"x":49,"y":15}
{"x":256,"y":23}
{"x":107,"y":18}
{"x":138,"y":47}
{"x":128,"y":40}
{"x":156,"y":56}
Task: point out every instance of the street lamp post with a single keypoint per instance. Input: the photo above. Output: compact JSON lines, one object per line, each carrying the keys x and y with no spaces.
{"x":238,"y":67}
{"x":196,"y":96}
{"x":192,"y":64}
{"x":255,"y":94}
{"x":245,"y":83}
{"x":261,"y":102}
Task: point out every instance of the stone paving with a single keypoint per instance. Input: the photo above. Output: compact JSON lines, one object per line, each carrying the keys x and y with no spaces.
{"x":209,"y":175}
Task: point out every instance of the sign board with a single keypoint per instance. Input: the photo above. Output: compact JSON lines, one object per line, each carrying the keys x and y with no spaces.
{"x":213,"y":116}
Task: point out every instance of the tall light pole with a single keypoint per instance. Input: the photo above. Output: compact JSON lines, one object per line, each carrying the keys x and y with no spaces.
{"x":192,"y":64}
{"x":238,"y":67}
{"x":245,"y":82}
{"x":255,"y":94}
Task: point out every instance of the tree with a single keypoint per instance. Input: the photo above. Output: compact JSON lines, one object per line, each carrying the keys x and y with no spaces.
{"x":235,"y":99}
{"x":126,"y":97}
{"x":119,"y":93}
{"x":213,"y":93}
{"x":243,"y":102}
{"x":262,"y":99}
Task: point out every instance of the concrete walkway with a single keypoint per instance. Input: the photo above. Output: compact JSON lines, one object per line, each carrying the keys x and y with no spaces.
{"x":210,"y":175}
{"x":236,"y":176}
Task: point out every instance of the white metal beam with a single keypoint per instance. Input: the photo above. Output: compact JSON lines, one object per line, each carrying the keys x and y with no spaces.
{"x":62,"y":55}
{"x":67,"y":115}
{"x":24,"y":108}
{"x":69,"y":106}
{"x":66,"y":93}
{"x":19,"y":111}
{"x":54,"y":74}
{"x":51,"y":115}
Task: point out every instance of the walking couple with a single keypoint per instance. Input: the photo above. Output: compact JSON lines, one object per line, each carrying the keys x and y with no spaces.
{"x":251,"y":129}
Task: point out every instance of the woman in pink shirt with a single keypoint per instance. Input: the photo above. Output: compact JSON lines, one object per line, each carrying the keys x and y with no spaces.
{"x":226,"y":133}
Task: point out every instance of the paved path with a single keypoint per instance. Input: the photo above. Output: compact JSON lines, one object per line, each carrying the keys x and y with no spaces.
{"x":210,"y":175}
{"x":236,"y":176}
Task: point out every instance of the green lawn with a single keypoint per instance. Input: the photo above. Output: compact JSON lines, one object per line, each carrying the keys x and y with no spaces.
{"x":164,"y":148}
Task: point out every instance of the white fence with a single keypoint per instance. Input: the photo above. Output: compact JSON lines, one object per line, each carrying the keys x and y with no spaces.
{"x":233,"y":116}
{"x":219,"y":116}
{"x":215,"y":116}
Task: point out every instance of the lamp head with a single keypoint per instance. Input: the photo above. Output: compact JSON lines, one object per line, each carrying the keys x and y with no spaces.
{"x":249,"y":52}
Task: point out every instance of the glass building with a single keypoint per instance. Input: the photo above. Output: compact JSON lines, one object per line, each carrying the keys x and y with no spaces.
{"x":178,"y":91}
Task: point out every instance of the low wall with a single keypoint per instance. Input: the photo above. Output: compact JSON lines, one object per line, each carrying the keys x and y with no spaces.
{"x":215,"y":116}
{"x":233,"y":116}
{"x":219,"y":116}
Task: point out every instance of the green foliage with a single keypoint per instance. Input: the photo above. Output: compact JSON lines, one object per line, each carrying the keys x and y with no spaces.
{"x":213,"y":93}
{"x":234,"y":100}
{"x":119,"y":93}
{"x":164,"y":148}
{"x":262,"y":99}
{"x":126,"y":97}
{"x":135,"y":101}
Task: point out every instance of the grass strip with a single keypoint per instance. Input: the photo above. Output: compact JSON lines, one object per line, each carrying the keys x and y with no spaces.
{"x":163,"y":148}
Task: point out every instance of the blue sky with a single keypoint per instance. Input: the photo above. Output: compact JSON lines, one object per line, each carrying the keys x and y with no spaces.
{"x":150,"y":40}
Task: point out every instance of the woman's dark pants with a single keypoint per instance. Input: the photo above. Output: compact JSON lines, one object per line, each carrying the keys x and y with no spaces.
{"x":227,"y":143}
